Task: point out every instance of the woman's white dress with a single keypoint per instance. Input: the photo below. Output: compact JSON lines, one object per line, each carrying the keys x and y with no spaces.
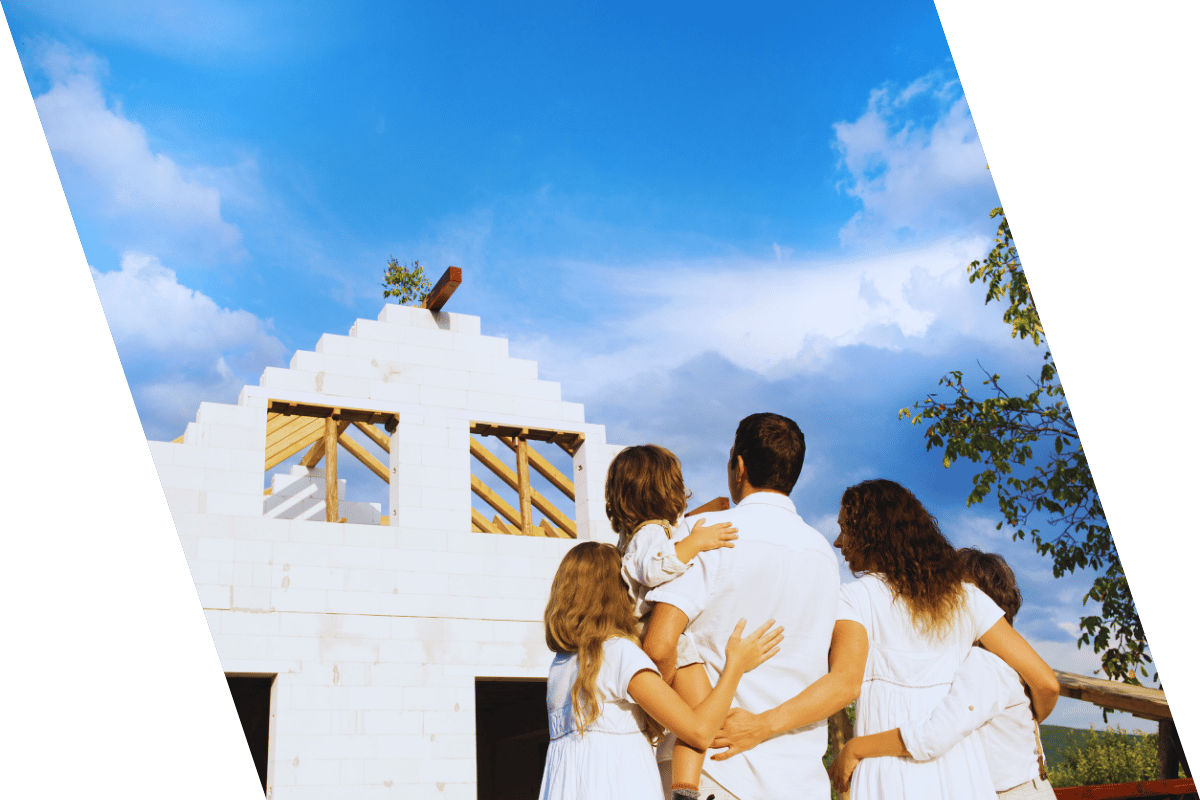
{"x":612,"y":758}
{"x":907,"y":675}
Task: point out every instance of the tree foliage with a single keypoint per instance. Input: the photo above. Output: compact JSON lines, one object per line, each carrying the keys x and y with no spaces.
{"x":1108,"y":756}
{"x":1032,"y":459}
{"x":405,"y":281}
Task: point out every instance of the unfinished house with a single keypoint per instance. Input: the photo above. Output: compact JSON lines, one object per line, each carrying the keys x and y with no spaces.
{"x":391,"y":648}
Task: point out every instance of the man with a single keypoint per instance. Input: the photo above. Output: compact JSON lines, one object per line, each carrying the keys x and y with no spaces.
{"x":781,"y":569}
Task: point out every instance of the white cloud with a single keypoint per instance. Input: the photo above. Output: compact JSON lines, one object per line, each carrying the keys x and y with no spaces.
{"x":777,"y":319}
{"x":913,"y":178}
{"x":108,"y":163}
{"x":177,"y":345}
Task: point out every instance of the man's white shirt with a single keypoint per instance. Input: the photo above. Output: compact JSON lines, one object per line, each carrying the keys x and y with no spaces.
{"x":783,"y":569}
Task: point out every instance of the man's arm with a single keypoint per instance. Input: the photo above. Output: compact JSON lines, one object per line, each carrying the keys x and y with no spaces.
{"x":826,"y":696}
{"x":662,"y":638}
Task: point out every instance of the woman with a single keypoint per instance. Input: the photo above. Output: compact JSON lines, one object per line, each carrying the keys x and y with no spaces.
{"x":903,"y":629}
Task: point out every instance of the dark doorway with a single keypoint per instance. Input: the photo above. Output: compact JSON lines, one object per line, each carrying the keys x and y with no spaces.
{"x":511,"y":738}
{"x":252,"y":696}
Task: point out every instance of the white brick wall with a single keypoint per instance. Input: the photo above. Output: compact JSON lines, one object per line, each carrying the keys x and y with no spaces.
{"x":377,"y":633}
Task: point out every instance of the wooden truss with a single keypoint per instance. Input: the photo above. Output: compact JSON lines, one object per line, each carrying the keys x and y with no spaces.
{"x":520,"y":521}
{"x":292,"y":427}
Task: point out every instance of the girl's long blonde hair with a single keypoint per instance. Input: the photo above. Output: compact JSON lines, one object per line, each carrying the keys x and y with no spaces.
{"x":588,"y":604}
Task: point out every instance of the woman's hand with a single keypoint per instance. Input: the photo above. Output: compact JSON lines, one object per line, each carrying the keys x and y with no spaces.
{"x":745,"y":654}
{"x":742,"y":731}
{"x":843,"y":767}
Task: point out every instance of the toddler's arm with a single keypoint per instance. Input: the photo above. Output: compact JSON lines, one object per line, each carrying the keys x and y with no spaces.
{"x":650,"y":560}
{"x":701,"y":539}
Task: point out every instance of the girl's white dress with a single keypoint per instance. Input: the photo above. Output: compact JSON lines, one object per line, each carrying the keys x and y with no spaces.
{"x":907,"y":675}
{"x":612,"y":758}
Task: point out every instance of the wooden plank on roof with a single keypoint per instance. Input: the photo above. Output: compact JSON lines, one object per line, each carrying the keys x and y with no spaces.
{"x":371,"y":462}
{"x":1140,"y":701}
{"x":372,"y":416}
{"x":446,"y":285}
{"x":178,"y":439}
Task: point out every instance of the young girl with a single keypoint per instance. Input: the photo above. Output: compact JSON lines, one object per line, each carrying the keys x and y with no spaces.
{"x":598,"y":746}
{"x":987,"y":695}
{"x":644,"y":498}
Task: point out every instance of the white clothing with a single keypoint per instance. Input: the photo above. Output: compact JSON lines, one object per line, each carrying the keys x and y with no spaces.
{"x":1035,"y":789}
{"x":611,"y":759}
{"x":649,"y":561}
{"x":986,"y":695}
{"x":907,"y":674}
{"x":781,"y":569}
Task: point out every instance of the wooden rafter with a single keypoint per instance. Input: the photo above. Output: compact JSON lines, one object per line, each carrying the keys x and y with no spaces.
{"x":495,"y":501}
{"x":291,"y":439}
{"x":545,"y":468}
{"x":451,"y":279}
{"x":481,"y":522}
{"x":375,"y":436}
{"x":358,"y":451}
{"x":513,"y":479}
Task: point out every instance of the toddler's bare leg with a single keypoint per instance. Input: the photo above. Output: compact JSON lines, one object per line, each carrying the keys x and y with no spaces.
{"x":692,"y":684}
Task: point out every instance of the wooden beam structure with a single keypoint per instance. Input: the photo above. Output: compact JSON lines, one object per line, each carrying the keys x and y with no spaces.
{"x":369,"y":461}
{"x":389,"y":419}
{"x":569,"y":441}
{"x":523,"y":489}
{"x":331,"y":485}
{"x":1137,"y":700}
{"x":514,"y":481}
{"x":451,"y":279}
{"x":495,"y":501}
{"x":375,"y":436}
{"x":545,"y":468}
{"x":290,"y":439}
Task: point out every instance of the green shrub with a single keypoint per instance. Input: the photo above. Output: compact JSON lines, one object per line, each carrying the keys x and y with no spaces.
{"x":1108,"y":756}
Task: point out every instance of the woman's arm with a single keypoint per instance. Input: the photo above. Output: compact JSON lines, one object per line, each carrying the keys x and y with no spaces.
{"x":888,"y":743}
{"x":826,"y":696}
{"x":698,"y":726}
{"x":1009,"y":645}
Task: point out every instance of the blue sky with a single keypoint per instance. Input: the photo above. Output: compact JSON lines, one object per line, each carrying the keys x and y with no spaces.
{"x":684,"y":214}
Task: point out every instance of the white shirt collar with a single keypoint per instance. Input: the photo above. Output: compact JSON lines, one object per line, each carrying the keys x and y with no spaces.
{"x":769,"y":499}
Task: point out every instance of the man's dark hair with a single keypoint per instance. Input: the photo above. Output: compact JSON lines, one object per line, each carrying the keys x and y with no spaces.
{"x":772,"y":448}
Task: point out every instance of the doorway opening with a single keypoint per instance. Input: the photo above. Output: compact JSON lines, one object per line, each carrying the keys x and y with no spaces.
{"x":511,"y":737}
{"x":252,"y":697}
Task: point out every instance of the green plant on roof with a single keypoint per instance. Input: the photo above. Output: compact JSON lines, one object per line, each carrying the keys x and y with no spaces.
{"x":407,"y":282}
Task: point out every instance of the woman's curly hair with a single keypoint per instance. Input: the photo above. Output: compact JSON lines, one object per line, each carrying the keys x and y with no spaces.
{"x":886,"y":531}
{"x":588,"y":605}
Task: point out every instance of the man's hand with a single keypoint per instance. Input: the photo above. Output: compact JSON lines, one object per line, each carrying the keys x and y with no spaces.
{"x":742,"y":731}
